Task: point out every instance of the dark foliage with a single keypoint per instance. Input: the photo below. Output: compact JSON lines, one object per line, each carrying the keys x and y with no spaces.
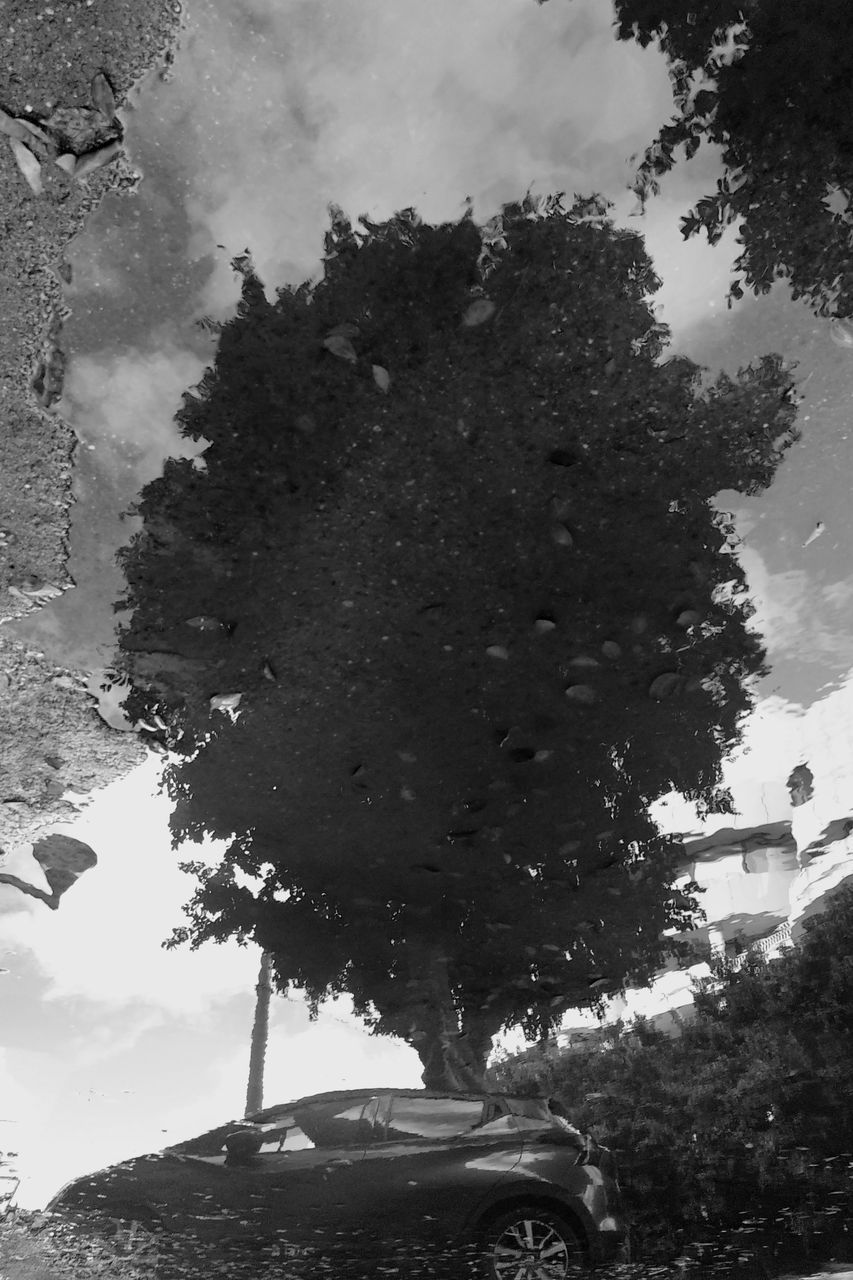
{"x":463,"y":569}
{"x":780,"y":113}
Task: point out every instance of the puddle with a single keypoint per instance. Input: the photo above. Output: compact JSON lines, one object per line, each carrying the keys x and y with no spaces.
{"x":272,"y":113}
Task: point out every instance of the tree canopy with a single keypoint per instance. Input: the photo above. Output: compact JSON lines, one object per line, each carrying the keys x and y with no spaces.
{"x":444,"y":608}
{"x":778,"y":106}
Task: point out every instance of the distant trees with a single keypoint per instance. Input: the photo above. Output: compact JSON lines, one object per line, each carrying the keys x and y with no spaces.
{"x":443,"y":609}
{"x":747,"y":1115}
{"x":778,"y":103}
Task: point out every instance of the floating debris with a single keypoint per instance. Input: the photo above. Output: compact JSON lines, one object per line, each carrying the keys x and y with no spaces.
{"x":561,"y":536}
{"x":205,"y":623}
{"x":381,"y":377}
{"x":816,"y":532}
{"x":600,"y":984}
{"x":228,"y":702}
{"x":544,"y":624}
{"x":268,"y":672}
{"x":478,"y":313}
{"x":665,"y":685}
{"x":688,"y":618}
{"x":582,"y":693}
{"x":305,"y":424}
{"x":841,"y":332}
{"x":341,"y":347}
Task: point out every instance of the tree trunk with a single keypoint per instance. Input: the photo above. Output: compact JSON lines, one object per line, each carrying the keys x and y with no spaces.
{"x":453,"y":1056}
{"x":260,"y":1031}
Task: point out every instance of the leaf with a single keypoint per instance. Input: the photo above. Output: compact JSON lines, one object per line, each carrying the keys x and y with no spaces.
{"x":611,"y":649}
{"x":841,"y":332}
{"x":205,"y":623}
{"x":344,"y":330}
{"x":28,"y":164}
{"x":584,"y":661}
{"x":225,"y":701}
{"x":67,"y":162}
{"x":497,"y":651}
{"x":478,"y":313}
{"x":561,"y":536}
{"x":340,"y":347}
{"x":381,"y":377}
{"x":96,"y":159}
{"x":45,"y":591}
{"x":664,"y":686}
{"x":22,"y":129}
{"x":12,"y":128}
{"x":687,"y":619}
{"x":103,"y":96}
{"x":582,"y":693}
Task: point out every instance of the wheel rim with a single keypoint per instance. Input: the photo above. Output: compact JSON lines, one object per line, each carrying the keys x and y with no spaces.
{"x":531,"y":1249}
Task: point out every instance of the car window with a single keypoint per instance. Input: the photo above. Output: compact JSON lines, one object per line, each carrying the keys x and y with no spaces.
{"x":333,"y":1124}
{"x":432,"y":1117}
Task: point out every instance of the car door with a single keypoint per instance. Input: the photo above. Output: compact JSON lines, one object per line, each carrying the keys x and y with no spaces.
{"x":430,"y":1163}
{"x":290,"y":1193}
{"x":307,"y":1192}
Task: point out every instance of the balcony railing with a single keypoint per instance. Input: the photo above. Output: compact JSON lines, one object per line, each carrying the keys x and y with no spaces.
{"x":767,"y":947}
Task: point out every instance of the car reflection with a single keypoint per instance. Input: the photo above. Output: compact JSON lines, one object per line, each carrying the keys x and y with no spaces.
{"x":359,"y":1179}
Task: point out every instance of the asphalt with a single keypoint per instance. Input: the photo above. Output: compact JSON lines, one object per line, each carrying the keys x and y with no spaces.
{"x":54,"y":745}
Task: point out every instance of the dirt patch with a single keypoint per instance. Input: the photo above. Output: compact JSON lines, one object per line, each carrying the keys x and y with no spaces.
{"x":50,"y":56}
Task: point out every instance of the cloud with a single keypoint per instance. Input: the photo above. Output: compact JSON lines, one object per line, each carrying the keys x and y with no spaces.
{"x":376,"y":109}
{"x":123,"y":406}
{"x":103,"y":946}
{"x":797,"y":615}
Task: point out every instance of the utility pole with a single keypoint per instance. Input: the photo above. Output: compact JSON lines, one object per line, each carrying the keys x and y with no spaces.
{"x":260,"y":1032}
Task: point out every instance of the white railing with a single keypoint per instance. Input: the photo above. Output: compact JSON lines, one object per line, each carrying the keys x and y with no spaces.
{"x":767,"y":947}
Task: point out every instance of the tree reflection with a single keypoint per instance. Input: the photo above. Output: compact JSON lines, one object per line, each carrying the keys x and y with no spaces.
{"x":772,"y":85}
{"x":445,"y":609}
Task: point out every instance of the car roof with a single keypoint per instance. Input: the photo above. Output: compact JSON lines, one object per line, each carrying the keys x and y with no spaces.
{"x":343,"y":1095}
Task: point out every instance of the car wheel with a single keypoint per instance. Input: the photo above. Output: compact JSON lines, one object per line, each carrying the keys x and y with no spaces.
{"x":529,"y":1243}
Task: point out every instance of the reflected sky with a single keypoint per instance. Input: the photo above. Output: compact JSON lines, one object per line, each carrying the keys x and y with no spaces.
{"x":274,"y":110}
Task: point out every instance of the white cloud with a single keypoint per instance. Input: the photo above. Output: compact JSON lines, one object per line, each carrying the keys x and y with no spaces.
{"x":797,"y":615}
{"x":103,"y":945}
{"x":124,"y":404}
{"x":376,"y":109}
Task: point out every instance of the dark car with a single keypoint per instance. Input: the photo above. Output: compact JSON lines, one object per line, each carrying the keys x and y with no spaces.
{"x":362,"y":1179}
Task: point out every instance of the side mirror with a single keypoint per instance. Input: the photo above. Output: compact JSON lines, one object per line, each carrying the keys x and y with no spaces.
{"x":243,"y":1145}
